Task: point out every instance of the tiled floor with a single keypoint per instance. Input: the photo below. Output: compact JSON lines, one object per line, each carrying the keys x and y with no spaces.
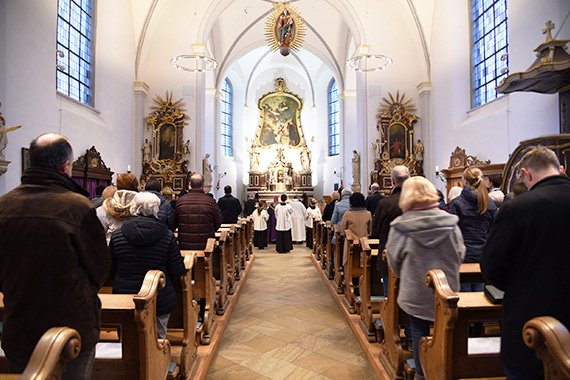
{"x":286,"y":326}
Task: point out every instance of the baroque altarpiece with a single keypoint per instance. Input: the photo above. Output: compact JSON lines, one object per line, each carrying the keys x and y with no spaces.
{"x":280,"y":159}
{"x":396,"y":146}
{"x":166,"y":156}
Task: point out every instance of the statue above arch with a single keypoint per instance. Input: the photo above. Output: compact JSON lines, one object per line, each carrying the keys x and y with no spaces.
{"x":280,"y":118}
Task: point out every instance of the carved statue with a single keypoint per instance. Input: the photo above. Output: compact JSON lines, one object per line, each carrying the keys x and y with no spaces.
{"x":418,"y":151}
{"x":355,"y":167}
{"x":147,"y":151}
{"x":4,"y":135}
{"x":377,"y":146}
{"x":207,"y":172}
{"x":305,"y":158}
{"x":186,"y":150}
{"x":253,"y":157}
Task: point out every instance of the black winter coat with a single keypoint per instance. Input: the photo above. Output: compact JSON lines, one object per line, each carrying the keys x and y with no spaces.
{"x":141,"y":244}
{"x":528,"y":256}
{"x":474,"y":226}
{"x":387,"y":210}
{"x":230,"y":207}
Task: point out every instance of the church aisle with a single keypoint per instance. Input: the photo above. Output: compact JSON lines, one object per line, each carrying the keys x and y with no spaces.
{"x":286,"y":326}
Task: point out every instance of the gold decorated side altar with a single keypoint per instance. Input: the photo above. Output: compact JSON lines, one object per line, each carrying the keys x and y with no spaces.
{"x":280,"y":160}
{"x":396,"y":144}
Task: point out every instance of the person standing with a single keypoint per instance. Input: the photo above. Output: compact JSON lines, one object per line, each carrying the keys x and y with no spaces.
{"x":272,"y":222}
{"x":357,"y":220}
{"x":53,"y":258}
{"x":421,"y":239}
{"x":230,"y":206}
{"x":387,"y":210}
{"x":165,"y":211}
{"x":143,"y":243}
{"x":373,"y":199}
{"x":476,"y":213}
{"x":298,"y":220}
{"x":313,"y":213}
{"x":260,"y":217}
{"x":340,"y":208}
{"x":495,"y":192}
{"x":527,"y":256}
{"x":198,"y":216}
{"x":249,"y":205}
{"x":283,"y":214}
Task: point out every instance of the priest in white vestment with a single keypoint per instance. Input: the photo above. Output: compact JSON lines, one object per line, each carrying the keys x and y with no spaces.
{"x":298,"y":220}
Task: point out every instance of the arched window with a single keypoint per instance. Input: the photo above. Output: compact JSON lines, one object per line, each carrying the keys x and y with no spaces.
{"x":226,"y":117}
{"x":489,"y":50}
{"x":334,"y":119}
{"x":74,"y":72}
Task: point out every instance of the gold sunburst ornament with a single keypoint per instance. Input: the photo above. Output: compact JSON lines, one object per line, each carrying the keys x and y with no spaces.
{"x":284,"y":29}
{"x":397,"y":105}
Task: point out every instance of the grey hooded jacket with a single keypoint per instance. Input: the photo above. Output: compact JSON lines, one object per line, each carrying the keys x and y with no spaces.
{"x":418,"y":242}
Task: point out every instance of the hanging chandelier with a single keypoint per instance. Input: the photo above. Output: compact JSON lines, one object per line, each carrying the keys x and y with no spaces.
{"x":196,"y":63}
{"x":369,"y":62}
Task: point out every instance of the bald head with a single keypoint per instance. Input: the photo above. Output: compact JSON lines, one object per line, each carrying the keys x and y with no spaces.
{"x":52,"y":151}
{"x":399,"y":174}
{"x":196,"y":181}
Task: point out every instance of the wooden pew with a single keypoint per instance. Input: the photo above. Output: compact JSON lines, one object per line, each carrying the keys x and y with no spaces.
{"x":143,"y":355}
{"x":317,"y":239}
{"x":220,"y":269}
{"x":444,"y":355}
{"x":338,"y":279}
{"x":57,"y":346}
{"x":371,"y":291}
{"x":551,"y":340}
{"x":182,"y":323}
{"x":205,"y":288}
{"x":226,"y":239}
{"x":352,"y":269}
{"x":327,"y":251}
{"x":392,"y":353}
{"x":249,"y":237}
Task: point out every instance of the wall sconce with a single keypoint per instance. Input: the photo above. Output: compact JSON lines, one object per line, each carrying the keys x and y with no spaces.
{"x":439,"y":175}
{"x":220,"y":176}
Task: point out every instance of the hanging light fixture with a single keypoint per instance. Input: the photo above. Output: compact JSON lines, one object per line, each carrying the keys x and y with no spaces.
{"x":369,"y":62}
{"x":202,"y":63}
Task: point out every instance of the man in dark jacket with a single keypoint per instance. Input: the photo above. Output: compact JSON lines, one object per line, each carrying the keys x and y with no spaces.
{"x":198,"y":216}
{"x":386,"y":211}
{"x":527,"y":255}
{"x":230,"y":206}
{"x":249,"y":205}
{"x":165,"y":212}
{"x":373,"y":199}
{"x":53,"y":258}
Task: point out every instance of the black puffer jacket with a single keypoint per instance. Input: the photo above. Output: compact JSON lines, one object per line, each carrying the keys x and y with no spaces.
{"x":141,"y":244}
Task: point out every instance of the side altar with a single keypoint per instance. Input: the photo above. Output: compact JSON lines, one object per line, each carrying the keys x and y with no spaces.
{"x":280,"y":160}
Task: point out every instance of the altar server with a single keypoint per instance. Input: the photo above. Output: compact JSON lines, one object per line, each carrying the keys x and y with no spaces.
{"x":299,"y":217}
{"x":283,"y":213}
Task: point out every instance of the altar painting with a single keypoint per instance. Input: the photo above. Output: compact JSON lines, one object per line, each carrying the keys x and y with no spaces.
{"x":167,"y":142}
{"x":397,"y":141}
{"x":280,"y":121}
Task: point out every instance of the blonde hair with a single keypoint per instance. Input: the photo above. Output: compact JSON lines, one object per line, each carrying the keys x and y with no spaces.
{"x":335,"y":195}
{"x":417,"y":190}
{"x":474,"y":176}
{"x":260,"y":206}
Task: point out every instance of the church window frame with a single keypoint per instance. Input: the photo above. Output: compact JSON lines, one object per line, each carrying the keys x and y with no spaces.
{"x":489,"y":49}
{"x":75,"y":50}
{"x":226,"y":118}
{"x":333,"y":119}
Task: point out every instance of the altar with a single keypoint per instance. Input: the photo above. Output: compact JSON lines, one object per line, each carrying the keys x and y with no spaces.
{"x":280,"y":160}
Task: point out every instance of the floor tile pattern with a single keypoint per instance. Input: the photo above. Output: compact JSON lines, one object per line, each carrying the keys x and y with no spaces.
{"x":286,"y":326}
